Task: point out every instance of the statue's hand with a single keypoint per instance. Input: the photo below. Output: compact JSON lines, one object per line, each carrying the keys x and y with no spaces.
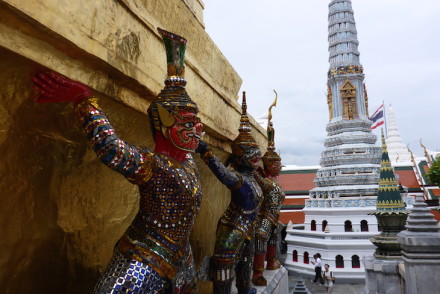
{"x":54,"y":87}
{"x":202,"y":148}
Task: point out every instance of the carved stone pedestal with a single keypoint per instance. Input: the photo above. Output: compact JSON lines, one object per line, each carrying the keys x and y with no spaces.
{"x":421,"y":250}
{"x":382,"y":276}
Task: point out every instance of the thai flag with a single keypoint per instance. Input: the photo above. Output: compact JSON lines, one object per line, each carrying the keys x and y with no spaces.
{"x":378,"y":117}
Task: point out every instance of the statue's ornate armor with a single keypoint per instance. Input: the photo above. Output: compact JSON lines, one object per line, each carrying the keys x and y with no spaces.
{"x":266,"y":233}
{"x":267,"y":220}
{"x":156,"y":244}
{"x":235,"y":229}
{"x":246,"y":196}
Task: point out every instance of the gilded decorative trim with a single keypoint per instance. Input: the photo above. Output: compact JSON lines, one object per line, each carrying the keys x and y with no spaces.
{"x":343,"y":70}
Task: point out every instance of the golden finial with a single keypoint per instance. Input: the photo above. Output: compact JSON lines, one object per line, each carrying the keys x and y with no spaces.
{"x":428,"y":158}
{"x":270,"y":108}
{"x":270,"y":129}
{"x":270,"y":155}
{"x":384,"y":144}
{"x":412,"y":156}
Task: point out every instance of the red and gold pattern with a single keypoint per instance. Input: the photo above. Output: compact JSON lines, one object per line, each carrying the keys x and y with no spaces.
{"x":186,"y":131}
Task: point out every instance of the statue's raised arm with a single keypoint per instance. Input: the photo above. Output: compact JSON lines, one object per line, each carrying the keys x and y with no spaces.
{"x":128,"y":160}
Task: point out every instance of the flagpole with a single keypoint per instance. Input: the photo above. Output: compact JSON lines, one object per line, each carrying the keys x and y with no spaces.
{"x":385,"y":119}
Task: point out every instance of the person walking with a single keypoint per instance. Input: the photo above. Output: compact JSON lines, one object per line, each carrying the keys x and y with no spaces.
{"x":329,"y":278}
{"x":318,"y":268}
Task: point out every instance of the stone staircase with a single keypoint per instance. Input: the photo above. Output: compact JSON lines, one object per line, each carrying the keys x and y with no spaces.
{"x":300,"y":288}
{"x":314,"y":288}
{"x":300,"y":285}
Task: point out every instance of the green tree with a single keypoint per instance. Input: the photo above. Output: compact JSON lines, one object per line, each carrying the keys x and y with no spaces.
{"x":434,"y":173}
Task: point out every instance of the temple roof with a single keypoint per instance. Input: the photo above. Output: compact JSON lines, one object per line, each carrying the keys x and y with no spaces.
{"x":297,"y":181}
{"x":407,"y":177}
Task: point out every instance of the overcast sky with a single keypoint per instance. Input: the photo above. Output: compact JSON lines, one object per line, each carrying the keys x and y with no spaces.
{"x":282,"y":45}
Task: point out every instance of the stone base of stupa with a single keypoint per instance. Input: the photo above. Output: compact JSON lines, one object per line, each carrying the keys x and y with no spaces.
{"x":382,"y":276}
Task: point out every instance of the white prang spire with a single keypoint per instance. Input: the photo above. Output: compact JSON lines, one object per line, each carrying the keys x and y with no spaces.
{"x":343,"y":41}
{"x":351,"y":162}
{"x":397,"y":150}
{"x":338,"y":212}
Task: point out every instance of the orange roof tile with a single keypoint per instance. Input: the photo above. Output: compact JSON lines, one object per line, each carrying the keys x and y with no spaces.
{"x":300,"y":201}
{"x":407,"y":178}
{"x":296,"y":217}
{"x":436,"y":214}
{"x":426,"y":168}
{"x":297,"y":182}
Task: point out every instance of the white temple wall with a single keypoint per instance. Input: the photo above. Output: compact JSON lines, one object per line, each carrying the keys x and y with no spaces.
{"x":336,"y":219}
{"x":345,"y":262}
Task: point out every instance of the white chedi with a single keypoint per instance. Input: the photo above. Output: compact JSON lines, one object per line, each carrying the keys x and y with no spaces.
{"x":397,"y":150}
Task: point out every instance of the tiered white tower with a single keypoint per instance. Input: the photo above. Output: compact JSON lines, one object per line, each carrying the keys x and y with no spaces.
{"x":337,"y":224}
{"x":397,"y":150}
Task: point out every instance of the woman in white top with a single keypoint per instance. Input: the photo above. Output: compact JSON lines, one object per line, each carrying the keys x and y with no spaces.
{"x":329,"y":278}
{"x":318,"y":269}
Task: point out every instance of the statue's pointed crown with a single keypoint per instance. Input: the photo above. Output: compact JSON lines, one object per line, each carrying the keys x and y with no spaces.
{"x":175,"y":47}
{"x":173,"y":97}
{"x":244,"y":139}
{"x":271,"y":155}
